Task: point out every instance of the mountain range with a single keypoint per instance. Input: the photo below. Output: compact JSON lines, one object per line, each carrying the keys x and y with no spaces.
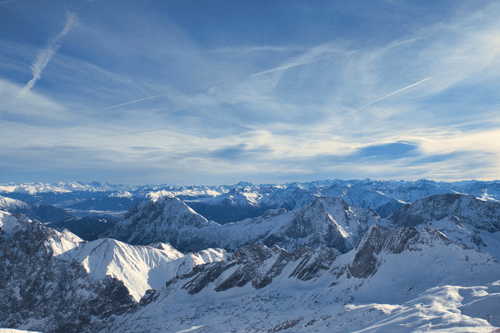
{"x":232,"y":203}
{"x":313,"y":262}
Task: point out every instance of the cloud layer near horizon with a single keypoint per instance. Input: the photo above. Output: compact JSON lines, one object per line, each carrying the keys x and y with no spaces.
{"x":151,"y":95}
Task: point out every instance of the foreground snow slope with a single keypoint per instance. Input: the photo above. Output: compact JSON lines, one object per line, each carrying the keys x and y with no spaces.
{"x":402,"y":280}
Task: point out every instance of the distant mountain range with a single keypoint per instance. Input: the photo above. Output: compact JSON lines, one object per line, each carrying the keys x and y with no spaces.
{"x":232,"y":203}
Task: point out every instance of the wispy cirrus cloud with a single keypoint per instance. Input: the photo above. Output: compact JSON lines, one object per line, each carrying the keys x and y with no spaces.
{"x":326,"y":107}
{"x":46,"y":54}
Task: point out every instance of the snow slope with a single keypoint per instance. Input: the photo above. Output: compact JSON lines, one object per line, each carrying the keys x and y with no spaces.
{"x":402,"y":280}
{"x":139,"y":267}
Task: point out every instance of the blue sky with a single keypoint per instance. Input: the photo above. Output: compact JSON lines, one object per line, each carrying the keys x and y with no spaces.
{"x":214,"y":92}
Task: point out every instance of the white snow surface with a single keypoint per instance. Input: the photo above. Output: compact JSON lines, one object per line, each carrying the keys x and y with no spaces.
{"x":9,"y":223}
{"x":139,"y":267}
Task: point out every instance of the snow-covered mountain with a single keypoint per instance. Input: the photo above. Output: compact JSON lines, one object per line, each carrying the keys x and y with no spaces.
{"x":401,"y":280}
{"x":324,"y":222}
{"x":463,"y":218}
{"x":164,"y":219}
{"x":39,"y":291}
{"x":140,"y":268}
{"x":54,"y":281}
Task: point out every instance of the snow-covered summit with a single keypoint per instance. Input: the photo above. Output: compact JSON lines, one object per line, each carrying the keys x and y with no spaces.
{"x":139,"y":267}
{"x":53,"y":242}
{"x":160,"y":218}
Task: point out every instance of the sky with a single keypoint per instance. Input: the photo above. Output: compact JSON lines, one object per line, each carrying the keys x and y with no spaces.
{"x":216,"y":92}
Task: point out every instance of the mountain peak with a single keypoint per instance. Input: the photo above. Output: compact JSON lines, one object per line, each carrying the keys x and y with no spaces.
{"x":160,"y":219}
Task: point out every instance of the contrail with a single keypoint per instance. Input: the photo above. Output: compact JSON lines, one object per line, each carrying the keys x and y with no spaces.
{"x":364,"y":106}
{"x":412,"y":85}
{"x":44,"y":56}
{"x":139,"y":100}
{"x":140,"y":131}
{"x":309,"y":140}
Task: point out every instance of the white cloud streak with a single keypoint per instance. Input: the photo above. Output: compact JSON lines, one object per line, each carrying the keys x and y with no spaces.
{"x":127,"y":103}
{"x":381,"y":98}
{"x":315,"y":54}
{"x":44,"y":56}
{"x":309,"y":140}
